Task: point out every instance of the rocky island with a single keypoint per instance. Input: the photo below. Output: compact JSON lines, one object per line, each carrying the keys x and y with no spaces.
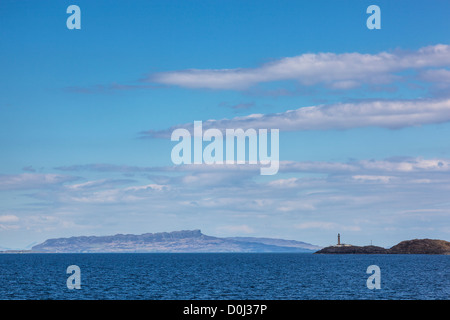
{"x":416,"y":246}
{"x":350,"y":249}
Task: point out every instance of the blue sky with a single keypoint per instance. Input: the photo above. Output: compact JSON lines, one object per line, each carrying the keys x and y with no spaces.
{"x":79,"y":110}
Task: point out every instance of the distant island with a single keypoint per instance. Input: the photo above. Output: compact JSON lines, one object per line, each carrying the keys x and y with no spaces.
{"x":416,"y":246}
{"x":176,"y":241}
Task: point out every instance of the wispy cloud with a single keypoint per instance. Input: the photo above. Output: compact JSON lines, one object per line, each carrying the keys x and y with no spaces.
{"x":29,"y":169}
{"x":104,"y":167}
{"x":338,"y":71}
{"x":352,"y":196}
{"x":239,"y":229}
{"x":110,"y":195}
{"x":95,"y":184}
{"x":387,"y":166}
{"x":436,"y":75}
{"x":391,"y":114}
{"x":398,"y":165}
{"x":9,"y":222}
{"x":32,"y":180}
{"x":326,"y":225}
{"x":8,"y":218}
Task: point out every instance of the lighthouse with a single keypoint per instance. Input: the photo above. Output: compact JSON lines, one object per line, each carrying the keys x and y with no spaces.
{"x":339,"y":244}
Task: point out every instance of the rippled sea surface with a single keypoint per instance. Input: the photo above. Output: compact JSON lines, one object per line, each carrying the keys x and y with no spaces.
{"x":213,"y":276}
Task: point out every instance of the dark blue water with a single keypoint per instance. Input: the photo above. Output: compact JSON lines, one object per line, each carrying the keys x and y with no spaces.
{"x":224,"y":276}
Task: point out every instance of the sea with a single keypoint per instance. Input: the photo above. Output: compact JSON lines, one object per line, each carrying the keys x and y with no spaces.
{"x":223,"y":276}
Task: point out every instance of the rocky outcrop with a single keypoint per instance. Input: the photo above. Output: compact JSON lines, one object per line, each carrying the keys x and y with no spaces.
{"x":421,"y":246}
{"x":416,"y":246}
{"x":353,"y":250}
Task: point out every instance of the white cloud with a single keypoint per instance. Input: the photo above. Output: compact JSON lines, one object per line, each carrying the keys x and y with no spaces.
{"x":94,"y":184}
{"x":284,"y":183}
{"x":205,"y":175}
{"x":326,"y":226}
{"x":441,"y":76}
{"x":360,"y":194}
{"x":369,"y":178}
{"x":32,"y":180}
{"x":236,"y":229}
{"x":391,"y":114}
{"x":147,"y":187}
{"x":111,"y":195}
{"x":7,"y":222}
{"x":342,"y":71}
{"x":8,"y":218}
{"x":407,"y":165}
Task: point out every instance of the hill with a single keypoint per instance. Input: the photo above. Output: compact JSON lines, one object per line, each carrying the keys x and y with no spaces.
{"x":177,"y":241}
{"x":421,"y":246}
